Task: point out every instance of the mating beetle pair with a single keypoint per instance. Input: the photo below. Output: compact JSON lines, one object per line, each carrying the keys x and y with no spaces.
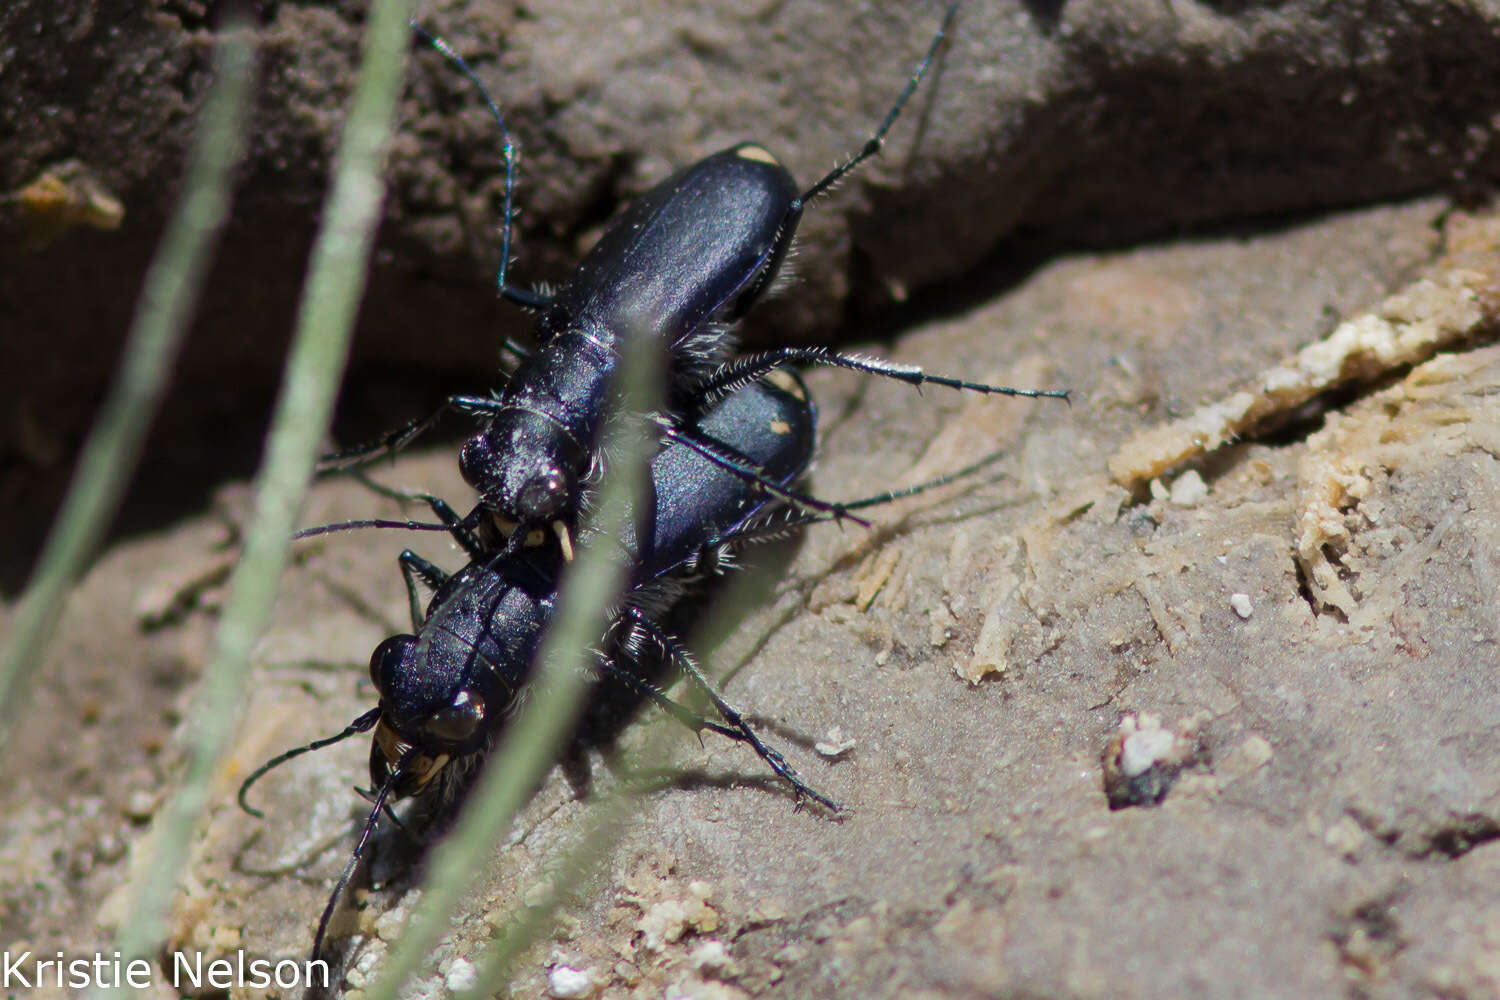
{"x":447,"y":689}
{"x":676,"y":268}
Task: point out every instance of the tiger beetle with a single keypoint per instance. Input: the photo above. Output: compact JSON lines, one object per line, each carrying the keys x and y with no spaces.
{"x":680,"y":265}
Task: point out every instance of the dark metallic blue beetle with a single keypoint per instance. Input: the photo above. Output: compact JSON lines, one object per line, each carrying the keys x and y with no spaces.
{"x":447,"y":690}
{"x":641,"y":279}
{"x":679,"y":266}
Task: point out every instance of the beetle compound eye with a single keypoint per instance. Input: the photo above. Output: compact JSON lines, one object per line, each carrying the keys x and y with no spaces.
{"x":385,"y":662}
{"x":476,"y":462}
{"x":458,"y":722}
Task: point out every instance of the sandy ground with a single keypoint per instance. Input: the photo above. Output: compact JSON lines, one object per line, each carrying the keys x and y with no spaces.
{"x":1244,"y":587}
{"x":1332,"y":826}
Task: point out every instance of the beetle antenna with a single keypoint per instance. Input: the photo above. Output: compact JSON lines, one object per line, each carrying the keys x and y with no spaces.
{"x":363,"y":724}
{"x":872,"y":145}
{"x":507,"y":148}
{"x":337,"y":526}
{"x":359,"y":850}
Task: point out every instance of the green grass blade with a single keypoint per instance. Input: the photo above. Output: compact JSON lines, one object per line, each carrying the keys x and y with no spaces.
{"x":319,"y":349}
{"x":171,"y":289}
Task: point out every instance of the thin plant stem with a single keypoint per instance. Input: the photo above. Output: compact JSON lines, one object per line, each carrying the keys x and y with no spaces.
{"x":171,"y":290}
{"x":319,"y":349}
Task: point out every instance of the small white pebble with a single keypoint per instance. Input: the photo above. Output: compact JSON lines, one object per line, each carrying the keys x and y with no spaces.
{"x":390,"y":924}
{"x":568,"y":983}
{"x":1241,"y":605}
{"x":462,"y":976}
{"x":359,"y":976}
{"x":1189,"y":489}
{"x":834,"y":744}
{"x":1345,"y":836}
{"x":140,"y":805}
{"x":711,"y":958}
{"x":1142,"y":750}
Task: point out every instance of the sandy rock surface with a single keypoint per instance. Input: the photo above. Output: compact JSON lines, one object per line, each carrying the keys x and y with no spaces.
{"x":1283,"y":636}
